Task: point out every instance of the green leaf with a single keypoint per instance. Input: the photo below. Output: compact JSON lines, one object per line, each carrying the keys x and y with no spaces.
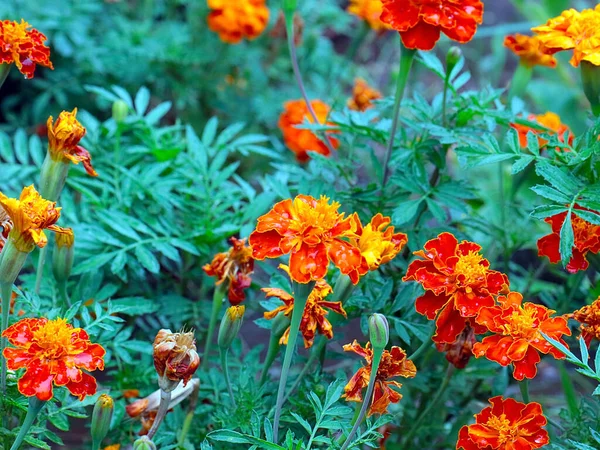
{"x":521,"y":163}
{"x":147,"y":259}
{"x":93,"y":263}
{"x":142,"y":99}
{"x":551,"y":194}
{"x":563,"y":181}
{"x":234,"y":437}
{"x":567,"y":240}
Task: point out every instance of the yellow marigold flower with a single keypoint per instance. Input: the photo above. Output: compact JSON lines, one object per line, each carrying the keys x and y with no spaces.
{"x":63,"y":141}
{"x":573,"y":30}
{"x":25,"y":48}
{"x":530,"y":50}
{"x":370,"y":12}
{"x":362,"y":96}
{"x":31,"y":215}
{"x":239,"y":19}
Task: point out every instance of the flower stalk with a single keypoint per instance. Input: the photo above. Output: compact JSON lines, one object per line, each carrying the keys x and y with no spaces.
{"x":163,"y":408}
{"x":218,"y":297}
{"x":301,"y":293}
{"x":4,"y":71}
{"x":225,"y":366}
{"x":34,"y":408}
{"x":280,"y":324}
{"x":524,"y":388}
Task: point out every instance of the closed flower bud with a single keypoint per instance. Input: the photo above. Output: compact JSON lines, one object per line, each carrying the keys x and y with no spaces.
{"x":175,"y":358}
{"x":230,"y":325}
{"x":379,"y":331}
{"x":101,"y":417}
{"x":62,"y":258}
{"x":144,"y":443}
{"x":452,"y":58}
{"x":590,"y":76}
{"x":280,"y":324}
{"x":119,"y":110}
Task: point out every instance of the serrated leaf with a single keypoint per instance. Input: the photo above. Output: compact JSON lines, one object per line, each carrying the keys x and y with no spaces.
{"x":562,"y":181}
{"x":567,"y":240}
{"x":93,"y":263}
{"x":147,"y":259}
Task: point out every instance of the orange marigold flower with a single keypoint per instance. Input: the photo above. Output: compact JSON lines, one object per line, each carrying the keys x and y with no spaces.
{"x":530,"y":50}
{"x":175,"y":357}
{"x":311,"y":231}
{"x":505,"y":425}
{"x":393,"y":364}
{"x":113,"y":447}
{"x":30,"y":216}
{"x":459,"y":353}
{"x":420,"y":22}
{"x":370,"y":12}
{"x":589,"y":317}
{"x":131,"y":393}
{"x":587,"y":239}
{"x":573,"y":30}
{"x":52,"y":352}
{"x":235,"y":267}
{"x":301,"y":141}
{"x":63,"y":141}
{"x":25,"y":48}
{"x":457,"y":281}
{"x":518,"y":337}
{"x":241,"y":19}
{"x":362,"y":96}
{"x":315,"y":312}
{"x":549,"y":123}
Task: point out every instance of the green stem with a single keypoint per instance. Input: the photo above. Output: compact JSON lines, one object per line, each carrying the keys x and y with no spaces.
{"x":314,"y":354}
{"x":438,"y":395}
{"x":301,"y":293}
{"x":185,"y":429}
{"x":343,"y":288}
{"x":6,"y":292}
{"x":35,"y":406}
{"x":524,"y":387}
{"x":4,"y":71}
{"x":64,"y":295}
{"x":272,"y":353}
{"x":218,"y":297}
{"x":418,"y":352}
{"x":225,"y":367}
{"x":377,"y":353}
{"x":445,"y":98}
{"x":163,"y":408}
{"x":519,"y":82}
{"x":40,"y":269}
{"x":406,"y":61}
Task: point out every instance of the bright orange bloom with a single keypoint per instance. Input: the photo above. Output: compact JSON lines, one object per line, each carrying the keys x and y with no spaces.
{"x":459,"y":353}
{"x":131,"y":393}
{"x":458,"y":283}
{"x":589,"y":317}
{"x":113,"y":447}
{"x":370,"y":12}
{"x":530,"y":50}
{"x":362,"y":96}
{"x":587,"y":239}
{"x":52,"y":352}
{"x":23,"y":47}
{"x":235,"y":267}
{"x":517,"y":337}
{"x":377,"y":242}
{"x":237,"y":20}
{"x":63,"y":141}
{"x":311,"y":231}
{"x":393,"y":364}
{"x":549,"y":123}
{"x":301,"y":141}
{"x":573,"y":30}
{"x":315,"y":312}
{"x":175,"y":356}
{"x":30,"y":216}
{"x":420,"y":22}
{"x":505,"y":425}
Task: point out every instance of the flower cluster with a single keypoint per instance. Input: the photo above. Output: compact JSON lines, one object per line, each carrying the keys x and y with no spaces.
{"x":550,"y":123}
{"x":241,"y":19}
{"x":362,"y":96}
{"x":23,"y":46}
{"x":530,"y":50}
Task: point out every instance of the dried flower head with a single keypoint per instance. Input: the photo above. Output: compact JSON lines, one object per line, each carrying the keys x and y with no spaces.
{"x":589,"y":317}
{"x":23,"y":46}
{"x":175,"y":358}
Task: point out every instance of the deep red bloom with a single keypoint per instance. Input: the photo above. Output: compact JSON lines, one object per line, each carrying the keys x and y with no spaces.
{"x":517,"y":335}
{"x":587,"y":239}
{"x":25,"y":48}
{"x":52,"y":352}
{"x":458,"y":283}
{"x":420,"y":22}
{"x":505,"y":425}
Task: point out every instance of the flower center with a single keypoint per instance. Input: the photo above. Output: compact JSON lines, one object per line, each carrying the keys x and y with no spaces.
{"x":314,"y":223}
{"x":54,"y":337}
{"x":506,"y":432}
{"x":372,"y":245}
{"x":15,"y":34}
{"x":521,"y":323}
{"x":469,"y":268}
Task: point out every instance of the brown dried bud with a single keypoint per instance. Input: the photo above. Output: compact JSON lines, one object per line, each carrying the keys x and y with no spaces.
{"x":175,"y":358}
{"x":459,"y":353}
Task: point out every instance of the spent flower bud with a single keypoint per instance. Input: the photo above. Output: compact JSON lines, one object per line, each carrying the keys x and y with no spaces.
{"x":230,"y":325}
{"x":144,"y":443}
{"x":379,"y":331}
{"x":175,"y":358}
{"x":101,"y":417}
{"x":119,"y":110}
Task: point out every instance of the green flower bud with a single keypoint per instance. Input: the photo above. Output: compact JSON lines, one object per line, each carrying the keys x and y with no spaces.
{"x":590,"y":76}
{"x":230,"y":325}
{"x":144,"y":443}
{"x":101,"y":417}
{"x":280,"y":324}
{"x":119,"y":110}
{"x":62,"y":258}
{"x":379,"y":331}
{"x":452,"y":58}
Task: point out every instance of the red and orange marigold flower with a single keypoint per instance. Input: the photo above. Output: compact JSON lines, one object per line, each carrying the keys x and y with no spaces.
{"x":530,"y":50}
{"x":458,"y":283}
{"x":362,"y":96}
{"x":315,"y":313}
{"x":573,"y":30}
{"x":52,"y":352}
{"x":517,"y":337}
{"x":237,"y":20}
{"x":63,"y":141}
{"x":393,"y":364}
{"x":549,"y":123}
{"x":312,"y":231}
{"x":23,"y":46}
{"x":587,"y":239}
{"x":302,"y":141}
{"x":370,"y":12}
{"x":421,"y":22}
{"x":460,"y":352}
{"x":505,"y":425}
{"x":30,"y":216}
{"x":233,"y":267}
{"x":589,"y":318}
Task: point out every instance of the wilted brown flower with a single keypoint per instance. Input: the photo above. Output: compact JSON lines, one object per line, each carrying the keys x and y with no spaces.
{"x":175,"y":358}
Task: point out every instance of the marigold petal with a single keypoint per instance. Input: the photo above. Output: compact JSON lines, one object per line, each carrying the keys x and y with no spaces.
{"x":347,"y":258}
{"x":429,"y":304}
{"x":517,"y":349}
{"x":37,"y":380}
{"x":469,"y":304}
{"x":266,"y":245}
{"x":449,"y":325}
{"x":87,"y":386}
{"x":309,"y":263}
{"x":526,"y":368}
